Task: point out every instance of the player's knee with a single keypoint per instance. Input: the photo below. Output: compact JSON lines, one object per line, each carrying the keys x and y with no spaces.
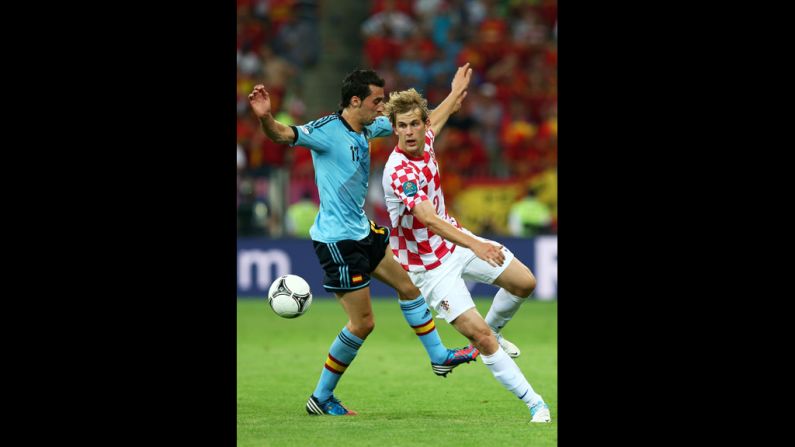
{"x":525,"y":287}
{"x":363,"y":327}
{"x":528,"y":285}
{"x":407,"y":290}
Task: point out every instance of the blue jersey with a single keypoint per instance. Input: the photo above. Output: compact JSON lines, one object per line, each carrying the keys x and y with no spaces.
{"x":341,"y":158}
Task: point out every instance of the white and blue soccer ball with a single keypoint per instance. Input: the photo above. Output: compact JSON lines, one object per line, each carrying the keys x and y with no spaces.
{"x":290,"y":296}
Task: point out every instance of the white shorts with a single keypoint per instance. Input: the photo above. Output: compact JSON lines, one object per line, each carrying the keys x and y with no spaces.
{"x":444,"y":288}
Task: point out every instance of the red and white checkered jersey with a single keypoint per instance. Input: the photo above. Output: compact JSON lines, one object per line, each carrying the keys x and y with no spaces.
{"x":408,"y":181}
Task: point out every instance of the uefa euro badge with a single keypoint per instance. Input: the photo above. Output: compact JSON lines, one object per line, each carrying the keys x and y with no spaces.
{"x":410,"y":189}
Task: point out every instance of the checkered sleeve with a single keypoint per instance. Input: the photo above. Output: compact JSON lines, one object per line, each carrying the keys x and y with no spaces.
{"x":406,"y":185}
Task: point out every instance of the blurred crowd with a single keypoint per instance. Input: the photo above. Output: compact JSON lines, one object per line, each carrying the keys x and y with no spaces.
{"x":505,"y":134}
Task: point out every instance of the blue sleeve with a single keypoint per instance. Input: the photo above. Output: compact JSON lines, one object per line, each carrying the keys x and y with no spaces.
{"x":308,"y":136}
{"x":381,"y":127}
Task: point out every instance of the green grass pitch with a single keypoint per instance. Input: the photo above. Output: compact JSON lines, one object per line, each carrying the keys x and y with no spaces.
{"x":390,"y":383}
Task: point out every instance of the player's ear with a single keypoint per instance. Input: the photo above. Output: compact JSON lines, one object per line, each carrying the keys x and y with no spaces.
{"x":356,"y":101}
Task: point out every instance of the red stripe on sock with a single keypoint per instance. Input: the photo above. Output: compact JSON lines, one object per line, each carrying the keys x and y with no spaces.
{"x":426,"y":332}
{"x":332,"y":369}
{"x":423,"y":324}
{"x":341,"y":363}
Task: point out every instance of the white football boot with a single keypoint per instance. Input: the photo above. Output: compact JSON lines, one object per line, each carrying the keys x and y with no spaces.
{"x":540,"y":413}
{"x":508,"y":347}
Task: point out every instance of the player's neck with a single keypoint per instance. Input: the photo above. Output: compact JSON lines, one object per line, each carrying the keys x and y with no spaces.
{"x":352,"y":119}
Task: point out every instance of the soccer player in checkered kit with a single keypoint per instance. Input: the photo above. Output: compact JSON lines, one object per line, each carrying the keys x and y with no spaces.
{"x":349,"y":246}
{"x":439,"y":254}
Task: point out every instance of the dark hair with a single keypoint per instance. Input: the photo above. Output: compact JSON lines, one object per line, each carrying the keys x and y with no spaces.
{"x":357,"y":83}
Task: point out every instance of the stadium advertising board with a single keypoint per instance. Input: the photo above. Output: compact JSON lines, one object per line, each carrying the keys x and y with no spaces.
{"x":261,"y":260}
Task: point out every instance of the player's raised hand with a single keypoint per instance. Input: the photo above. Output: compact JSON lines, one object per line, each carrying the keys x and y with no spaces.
{"x":260,"y":101}
{"x":489,"y":252}
{"x":461,"y":79}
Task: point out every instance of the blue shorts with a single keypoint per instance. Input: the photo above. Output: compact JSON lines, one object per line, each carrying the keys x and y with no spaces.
{"x":347,"y":264}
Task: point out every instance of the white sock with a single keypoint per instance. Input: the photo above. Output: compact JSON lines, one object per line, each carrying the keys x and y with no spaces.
{"x":502,"y":310}
{"x":510,"y":376}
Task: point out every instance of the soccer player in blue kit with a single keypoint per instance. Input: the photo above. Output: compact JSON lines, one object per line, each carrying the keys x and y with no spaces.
{"x":350,"y":247}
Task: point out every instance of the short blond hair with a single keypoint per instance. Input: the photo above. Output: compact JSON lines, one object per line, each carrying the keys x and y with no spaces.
{"x":404,"y":102}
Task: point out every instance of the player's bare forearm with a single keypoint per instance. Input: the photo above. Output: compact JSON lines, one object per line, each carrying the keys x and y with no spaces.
{"x":441,"y":114}
{"x":260,"y":102}
{"x":427,"y":215}
{"x":490,"y":253}
{"x":452,"y":103}
{"x":276,"y":131}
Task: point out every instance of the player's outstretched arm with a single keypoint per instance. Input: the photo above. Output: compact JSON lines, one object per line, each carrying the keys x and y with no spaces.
{"x":427,"y":215}
{"x":260,"y":102}
{"x":452,"y":103}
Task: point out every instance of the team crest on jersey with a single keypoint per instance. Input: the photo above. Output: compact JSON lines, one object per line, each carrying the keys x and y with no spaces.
{"x":409,"y":188}
{"x":306,"y":129}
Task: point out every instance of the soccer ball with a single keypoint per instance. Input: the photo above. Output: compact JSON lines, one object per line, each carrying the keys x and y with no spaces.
{"x":289,"y":296}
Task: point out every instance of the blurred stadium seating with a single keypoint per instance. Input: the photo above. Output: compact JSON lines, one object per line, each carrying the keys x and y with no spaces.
{"x":502,"y":143}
